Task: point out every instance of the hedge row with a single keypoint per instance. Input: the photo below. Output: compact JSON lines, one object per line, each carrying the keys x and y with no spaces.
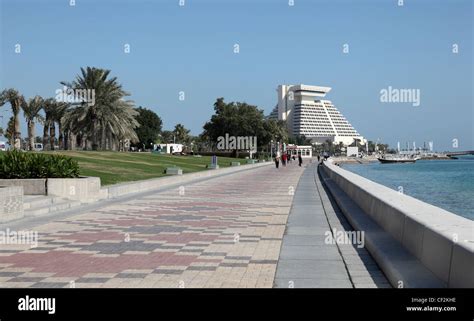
{"x":17,"y":164}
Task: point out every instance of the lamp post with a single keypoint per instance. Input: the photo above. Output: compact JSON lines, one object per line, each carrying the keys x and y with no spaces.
{"x":271,"y":149}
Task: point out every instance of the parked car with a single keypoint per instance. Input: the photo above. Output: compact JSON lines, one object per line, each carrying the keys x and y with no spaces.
{"x":38,"y":147}
{"x":3,"y":146}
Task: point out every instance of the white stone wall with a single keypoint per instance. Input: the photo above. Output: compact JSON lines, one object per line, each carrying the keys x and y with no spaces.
{"x":441,"y":240}
{"x":11,"y":203}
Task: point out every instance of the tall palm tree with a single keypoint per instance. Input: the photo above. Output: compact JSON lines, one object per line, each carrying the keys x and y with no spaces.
{"x":10,"y":132}
{"x":48,"y":107}
{"x":111,"y":117}
{"x":31,"y":110}
{"x":181,"y":133}
{"x":16,"y":100}
{"x":54,"y":112}
{"x":59,"y":114}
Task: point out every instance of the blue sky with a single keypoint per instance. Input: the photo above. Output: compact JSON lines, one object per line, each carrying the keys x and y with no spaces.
{"x":190,"y":49}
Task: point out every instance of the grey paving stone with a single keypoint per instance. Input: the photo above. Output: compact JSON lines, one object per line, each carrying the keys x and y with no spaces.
{"x":305,"y":230}
{"x":318,"y":269}
{"x":167,"y":271}
{"x":226,"y":264}
{"x":201,"y":268}
{"x":312,"y":283}
{"x":304,"y":240}
{"x":306,"y":221}
{"x":310,"y":252}
{"x":366,"y":286}
{"x":214,"y":253}
{"x":49,"y":285}
{"x":131,"y":275}
{"x":119,"y":248}
{"x":246,"y":258}
{"x":368,"y":279}
{"x":26,"y":279}
{"x":92,"y":280}
{"x":263,"y":261}
{"x":10,"y":274}
{"x":306,"y":258}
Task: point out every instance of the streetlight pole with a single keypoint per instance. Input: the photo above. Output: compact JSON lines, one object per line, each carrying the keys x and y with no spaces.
{"x":271,"y":149}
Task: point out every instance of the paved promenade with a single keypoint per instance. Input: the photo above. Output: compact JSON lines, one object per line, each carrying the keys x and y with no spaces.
{"x":223,"y":232}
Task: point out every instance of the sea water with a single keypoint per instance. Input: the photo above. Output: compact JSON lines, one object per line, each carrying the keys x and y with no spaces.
{"x":448,"y":184}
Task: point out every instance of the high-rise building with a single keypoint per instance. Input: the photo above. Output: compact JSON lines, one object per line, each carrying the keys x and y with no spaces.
{"x":307,"y":114}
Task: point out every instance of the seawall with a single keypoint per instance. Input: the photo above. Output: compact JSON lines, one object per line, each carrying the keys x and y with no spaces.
{"x":416,"y":243}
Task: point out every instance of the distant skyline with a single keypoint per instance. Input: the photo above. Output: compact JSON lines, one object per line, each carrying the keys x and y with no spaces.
{"x":191,"y":49}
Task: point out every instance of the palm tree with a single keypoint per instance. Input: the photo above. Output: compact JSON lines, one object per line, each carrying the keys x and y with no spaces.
{"x":181,"y":133}
{"x":54,"y":112}
{"x":58,"y":115}
{"x":31,"y":110}
{"x":16,"y":101}
{"x":49,"y":105}
{"x":10,"y":132}
{"x":110,"y":119}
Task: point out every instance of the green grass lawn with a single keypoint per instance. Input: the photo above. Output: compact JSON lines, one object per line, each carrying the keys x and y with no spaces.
{"x":116,"y":167}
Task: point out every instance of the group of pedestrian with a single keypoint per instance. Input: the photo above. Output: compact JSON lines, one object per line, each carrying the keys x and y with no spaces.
{"x":286,"y":158}
{"x":323,"y":158}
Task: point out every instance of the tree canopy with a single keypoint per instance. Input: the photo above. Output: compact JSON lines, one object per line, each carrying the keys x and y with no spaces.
{"x":181,"y":134}
{"x":109,"y":118}
{"x":242,"y":119}
{"x":150,"y":127}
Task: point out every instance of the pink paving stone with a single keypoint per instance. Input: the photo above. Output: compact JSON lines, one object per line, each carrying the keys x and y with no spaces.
{"x":183,"y":238}
{"x":207,"y":223}
{"x":158,"y":213}
{"x":92,"y":236}
{"x":129,"y":222}
{"x":65,"y":264}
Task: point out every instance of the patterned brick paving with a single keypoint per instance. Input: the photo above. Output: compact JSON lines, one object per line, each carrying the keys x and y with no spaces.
{"x":224,"y":232}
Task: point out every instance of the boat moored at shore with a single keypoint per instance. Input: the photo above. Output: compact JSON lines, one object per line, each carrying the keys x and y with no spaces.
{"x":397,"y":159}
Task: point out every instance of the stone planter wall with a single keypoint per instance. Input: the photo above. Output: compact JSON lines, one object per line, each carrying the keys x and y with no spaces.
{"x":11,"y":203}
{"x":83,"y":189}
{"x":34,"y":186}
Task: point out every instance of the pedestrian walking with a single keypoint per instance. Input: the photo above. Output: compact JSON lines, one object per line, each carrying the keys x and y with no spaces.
{"x":277,"y":162}
{"x":300,"y":159}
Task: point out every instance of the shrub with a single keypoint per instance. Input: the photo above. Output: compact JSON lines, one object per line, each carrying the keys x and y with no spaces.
{"x":17,"y":164}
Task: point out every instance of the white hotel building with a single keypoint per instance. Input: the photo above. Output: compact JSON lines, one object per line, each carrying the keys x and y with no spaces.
{"x":307,"y":114}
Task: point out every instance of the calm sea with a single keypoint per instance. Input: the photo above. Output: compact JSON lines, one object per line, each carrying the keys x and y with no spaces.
{"x":448,"y":184}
